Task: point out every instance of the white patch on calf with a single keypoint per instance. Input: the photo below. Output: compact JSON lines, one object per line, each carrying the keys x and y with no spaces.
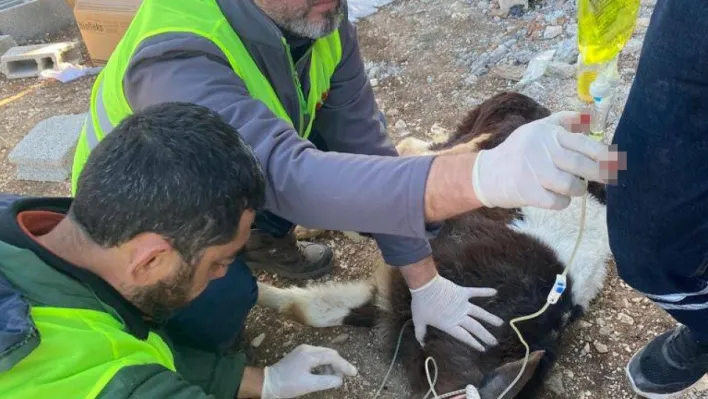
{"x":559,"y":230}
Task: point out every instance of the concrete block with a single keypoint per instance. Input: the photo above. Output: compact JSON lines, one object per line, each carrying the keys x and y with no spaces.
{"x":28,"y":61}
{"x":6,"y":43}
{"x":33,"y":19}
{"x":45,"y":153}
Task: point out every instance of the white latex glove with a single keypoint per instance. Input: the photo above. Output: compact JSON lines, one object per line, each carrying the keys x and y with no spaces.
{"x":538,"y":165}
{"x":292,"y":376}
{"x":445,"y":305}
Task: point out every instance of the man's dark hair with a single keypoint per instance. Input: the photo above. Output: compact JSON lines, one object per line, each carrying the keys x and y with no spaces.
{"x":173,"y":169}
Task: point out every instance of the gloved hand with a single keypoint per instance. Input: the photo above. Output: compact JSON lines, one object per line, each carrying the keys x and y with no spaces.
{"x":445,"y":305}
{"x":539,"y":165}
{"x":292,"y":376}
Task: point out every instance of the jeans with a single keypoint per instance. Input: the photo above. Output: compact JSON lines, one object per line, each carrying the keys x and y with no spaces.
{"x":658,"y":211}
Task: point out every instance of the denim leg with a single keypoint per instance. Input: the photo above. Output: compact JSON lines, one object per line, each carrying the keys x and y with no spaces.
{"x":215,"y":319}
{"x":273,"y":224}
{"x":658,"y":213}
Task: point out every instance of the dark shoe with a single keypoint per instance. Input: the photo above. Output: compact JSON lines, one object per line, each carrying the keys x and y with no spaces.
{"x":669,"y":365}
{"x":287,"y":256}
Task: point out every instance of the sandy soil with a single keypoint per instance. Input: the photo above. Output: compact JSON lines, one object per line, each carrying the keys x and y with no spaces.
{"x":420,"y":55}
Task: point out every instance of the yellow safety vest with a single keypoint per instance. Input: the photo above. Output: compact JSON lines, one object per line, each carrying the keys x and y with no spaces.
{"x":109,"y":104}
{"x":80,"y":351}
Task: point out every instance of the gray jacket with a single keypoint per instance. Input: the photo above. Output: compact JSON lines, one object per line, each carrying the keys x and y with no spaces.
{"x":359,"y":184}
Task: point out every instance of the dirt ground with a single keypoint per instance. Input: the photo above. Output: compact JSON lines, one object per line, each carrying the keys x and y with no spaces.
{"x":420,"y":55}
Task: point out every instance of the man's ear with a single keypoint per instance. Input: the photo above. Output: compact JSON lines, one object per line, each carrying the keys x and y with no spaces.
{"x":149,"y":258}
{"x":499,"y":380}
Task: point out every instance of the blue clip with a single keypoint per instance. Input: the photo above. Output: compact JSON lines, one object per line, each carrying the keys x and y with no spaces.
{"x":558,"y":289}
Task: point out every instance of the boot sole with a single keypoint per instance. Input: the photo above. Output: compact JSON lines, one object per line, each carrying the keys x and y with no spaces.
{"x":288,"y":274}
{"x":653,"y":395}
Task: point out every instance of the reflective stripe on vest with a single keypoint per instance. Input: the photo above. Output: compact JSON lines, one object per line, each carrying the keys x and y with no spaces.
{"x":101,"y":117}
{"x":204,"y":18}
{"x":80,"y":351}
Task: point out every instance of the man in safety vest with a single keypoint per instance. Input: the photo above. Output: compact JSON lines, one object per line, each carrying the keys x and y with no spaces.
{"x":86,"y":284}
{"x":288,"y":75}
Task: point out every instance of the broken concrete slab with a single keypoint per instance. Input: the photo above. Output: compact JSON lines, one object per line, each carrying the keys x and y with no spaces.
{"x":29,"y":61}
{"x":33,"y":19}
{"x":6,"y":43}
{"x":44,"y":154}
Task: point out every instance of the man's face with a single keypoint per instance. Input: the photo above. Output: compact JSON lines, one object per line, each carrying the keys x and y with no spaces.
{"x":307,"y":18}
{"x":168,"y":283}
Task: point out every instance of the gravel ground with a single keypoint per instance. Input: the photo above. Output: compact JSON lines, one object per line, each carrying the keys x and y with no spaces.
{"x":422,"y":56}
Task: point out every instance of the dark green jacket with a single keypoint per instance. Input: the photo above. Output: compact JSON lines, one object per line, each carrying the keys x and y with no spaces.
{"x":32,"y":276}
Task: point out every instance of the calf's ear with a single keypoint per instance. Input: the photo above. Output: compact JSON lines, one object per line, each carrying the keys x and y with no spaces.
{"x":499,"y":380}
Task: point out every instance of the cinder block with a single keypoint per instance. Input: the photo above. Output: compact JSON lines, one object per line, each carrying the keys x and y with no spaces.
{"x":6,"y":43}
{"x":45,"y":153}
{"x":33,"y":19}
{"x":28,"y":61}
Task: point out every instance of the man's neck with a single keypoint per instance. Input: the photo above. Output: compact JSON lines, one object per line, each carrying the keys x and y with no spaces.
{"x":68,"y":242}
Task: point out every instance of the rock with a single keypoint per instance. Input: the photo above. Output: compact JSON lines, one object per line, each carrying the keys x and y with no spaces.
{"x":524,"y":56}
{"x":637,"y":299}
{"x":535,"y":27}
{"x":605,"y":331}
{"x":471,"y":79}
{"x":643,"y":23}
{"x":554,"y":383}
{"x":483,"y":5}
{"x":586,"y":348}
{"x":552,"y":32}
{"x":516,"y":11}
{"x":471,"y":102}
{"x":340,"y":339}
{"x":374,"y":82}
{"x":479,"y":67}
{"x":561,"y":70}
{"x":506,"y":5}
{"x":600,"y":347}
{"x":625,"y":319}
{"x":634,"y":46}
{"x":498,"y":53}
{"x":509,"y":72}
{"x":567,"y":51}
{"x":584,"y":324}
{"x":553,"y":17}
{"x":572,"y":29}
{"x":258,"y":340}
{"x":401,"y":125}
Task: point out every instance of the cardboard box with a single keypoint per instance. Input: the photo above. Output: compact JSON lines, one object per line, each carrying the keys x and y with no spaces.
{"x":102,"y":24}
